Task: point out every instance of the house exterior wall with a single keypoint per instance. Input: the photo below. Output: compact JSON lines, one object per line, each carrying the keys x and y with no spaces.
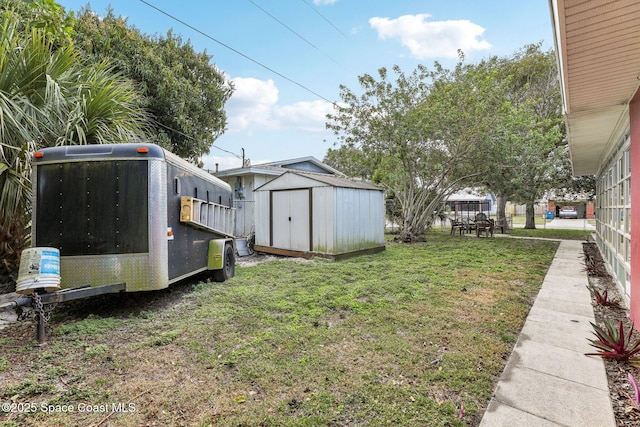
{"x":634,"y":160}
{"x":613,"y":210}
{"x":245,"y":205}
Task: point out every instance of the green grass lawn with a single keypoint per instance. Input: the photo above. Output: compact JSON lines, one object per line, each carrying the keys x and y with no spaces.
{"x":416,"y":335}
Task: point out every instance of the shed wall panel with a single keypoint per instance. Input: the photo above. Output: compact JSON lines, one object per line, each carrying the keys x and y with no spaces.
{"x":262,"y":218}
{"x":359,"y":219}
{"x":323,"y":232}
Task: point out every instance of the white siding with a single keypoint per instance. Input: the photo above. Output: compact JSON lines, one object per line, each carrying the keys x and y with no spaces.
{"x":359,"y":216}
{"x":344,"y":219}
{"x":262,"y":218}
{"x":324,"y":220}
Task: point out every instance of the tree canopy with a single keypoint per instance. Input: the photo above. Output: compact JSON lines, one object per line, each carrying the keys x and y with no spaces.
{"x":48,"y":96}
{"x":418,"y":137}
{"x":496,"y":124}
{"x":527,"y":149}
{"x":184,"y":94}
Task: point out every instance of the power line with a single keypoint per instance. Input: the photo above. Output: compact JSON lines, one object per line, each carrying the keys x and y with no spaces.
{"x":323,"y":17}
{"x":227,"y":151}
{"x":290,"y":29}
{"x":236,"y":51}
{"x":192,"y":138}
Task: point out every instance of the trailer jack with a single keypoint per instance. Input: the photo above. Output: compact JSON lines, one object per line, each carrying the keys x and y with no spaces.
{"x":42,"y":304}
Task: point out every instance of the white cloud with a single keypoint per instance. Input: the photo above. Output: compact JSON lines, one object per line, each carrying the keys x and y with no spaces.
{"x":431,"y":39}
{"x":254,"y":107}
{"x":321,"y":2}
{"x":251,"y":104}
{"x":306,"y":115}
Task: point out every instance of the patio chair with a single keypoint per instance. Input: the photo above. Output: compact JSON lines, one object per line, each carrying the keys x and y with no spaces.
{"x":456,"y":225}
{"x":484,"y":225}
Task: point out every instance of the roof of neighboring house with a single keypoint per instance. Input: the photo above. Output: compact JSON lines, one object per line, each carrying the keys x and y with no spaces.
{"x":468,"y":195}
{"x":598,"y":50}
{"x":282,"y":166}
{"x":329,"y":180}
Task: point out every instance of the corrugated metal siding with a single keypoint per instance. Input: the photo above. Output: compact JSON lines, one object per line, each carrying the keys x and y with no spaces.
{"x":262,"y":218}
{"x":359,"y":219}
{"x":324,"y":220}
{"x":344,"y":219}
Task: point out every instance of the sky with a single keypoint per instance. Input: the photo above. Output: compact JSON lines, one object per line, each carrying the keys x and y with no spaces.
{"x":288,"y":58}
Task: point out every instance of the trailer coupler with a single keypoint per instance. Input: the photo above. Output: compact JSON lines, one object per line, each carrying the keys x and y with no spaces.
{"x":37,"y":302}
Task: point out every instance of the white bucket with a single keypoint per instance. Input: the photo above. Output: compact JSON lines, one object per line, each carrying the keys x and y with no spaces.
{"x":39,"y":269}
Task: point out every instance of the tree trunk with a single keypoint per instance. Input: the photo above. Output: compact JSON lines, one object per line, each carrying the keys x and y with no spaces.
{"x":501,"y":208}
{"x":530,"y":223}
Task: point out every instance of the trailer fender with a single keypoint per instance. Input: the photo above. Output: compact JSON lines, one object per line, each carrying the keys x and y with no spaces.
{"x":221,"y":259}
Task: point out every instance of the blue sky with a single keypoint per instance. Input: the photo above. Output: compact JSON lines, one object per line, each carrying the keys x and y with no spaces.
{"x":317,"y":45}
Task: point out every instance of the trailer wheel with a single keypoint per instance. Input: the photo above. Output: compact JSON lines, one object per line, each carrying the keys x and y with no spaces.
{"x":228,"y":268}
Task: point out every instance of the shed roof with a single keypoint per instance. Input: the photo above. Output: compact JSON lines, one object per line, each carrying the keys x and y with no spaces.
{"x":278,"y":168}
{"x":327,"y":180}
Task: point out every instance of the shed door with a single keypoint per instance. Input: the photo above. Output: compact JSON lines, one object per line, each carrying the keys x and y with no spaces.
{"x":291,"y":220}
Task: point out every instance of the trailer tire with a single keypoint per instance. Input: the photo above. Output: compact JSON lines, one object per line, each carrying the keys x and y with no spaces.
{"x":228,"y":267}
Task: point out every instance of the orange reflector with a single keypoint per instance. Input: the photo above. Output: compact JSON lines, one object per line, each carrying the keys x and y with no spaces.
{"x":169,"y":233}
{"x":143,"y":150}
{"x":38,"y":154}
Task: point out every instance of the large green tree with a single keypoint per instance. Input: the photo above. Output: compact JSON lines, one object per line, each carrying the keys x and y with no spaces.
{"x":48,"y":96}
{"x":182,"y":91}
{"x":526,"y":152}
{"x":419,"y":136}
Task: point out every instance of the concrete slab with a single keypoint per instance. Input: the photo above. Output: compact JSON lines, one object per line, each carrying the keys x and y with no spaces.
{"x":540,"y":332}
{"x":579,"y":309}
{"x":566,"y":267}
{"x":548,"y":381}
{"x":554,"y":280}
{"x":501,"y":415}
{"x":555,"y":399}
{"x":568,"y":296}
{"x":8,"y":317}
{"x":553,"y":360}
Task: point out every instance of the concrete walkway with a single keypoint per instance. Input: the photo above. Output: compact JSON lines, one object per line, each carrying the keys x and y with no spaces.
{"x":548,"y":381}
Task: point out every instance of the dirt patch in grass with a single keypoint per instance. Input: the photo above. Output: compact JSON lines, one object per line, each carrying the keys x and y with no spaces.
{"x":627,"y":414}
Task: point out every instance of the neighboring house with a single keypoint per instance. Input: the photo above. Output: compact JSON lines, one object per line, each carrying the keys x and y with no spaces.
{"x":467,"y":203}
{"x":246,"y":179}
{"x":310,"y":214}
{"x":598,"y":51}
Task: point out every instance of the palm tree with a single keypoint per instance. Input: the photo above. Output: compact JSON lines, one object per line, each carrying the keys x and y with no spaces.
{"x":49,"y":97}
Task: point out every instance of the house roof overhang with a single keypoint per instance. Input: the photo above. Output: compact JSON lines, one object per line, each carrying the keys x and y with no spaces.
{"x":598,"y":51}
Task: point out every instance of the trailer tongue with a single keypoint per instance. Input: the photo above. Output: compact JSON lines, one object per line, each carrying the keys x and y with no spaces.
{"x":41,"y":304}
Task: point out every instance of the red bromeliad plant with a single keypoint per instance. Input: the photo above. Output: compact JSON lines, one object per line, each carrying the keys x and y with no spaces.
{"x":602,"y":298}
{"x":612,"y":343}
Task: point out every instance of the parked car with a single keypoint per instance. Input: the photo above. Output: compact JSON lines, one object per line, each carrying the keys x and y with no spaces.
{"x":568,"y":212}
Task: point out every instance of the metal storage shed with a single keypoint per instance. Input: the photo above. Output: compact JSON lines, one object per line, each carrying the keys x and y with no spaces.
{"x":309,"y":214}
